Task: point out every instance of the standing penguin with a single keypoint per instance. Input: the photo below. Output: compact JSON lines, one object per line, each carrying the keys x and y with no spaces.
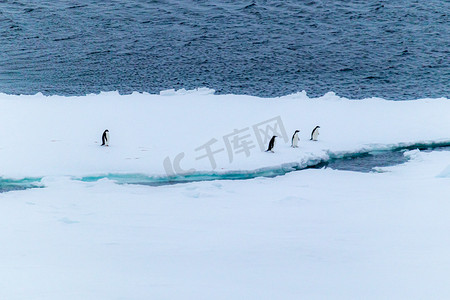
{"x":271,"y":144}
{"x":295,"y":139}
{"x":315,"y":133}
{"x":105,"y":138}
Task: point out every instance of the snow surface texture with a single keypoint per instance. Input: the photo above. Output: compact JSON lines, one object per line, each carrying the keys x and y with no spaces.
{"x":54,"y":136}
{"x":313,"y":234}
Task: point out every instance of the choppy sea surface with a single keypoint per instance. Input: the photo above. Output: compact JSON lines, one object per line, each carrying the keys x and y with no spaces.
{"x":391,"y":49}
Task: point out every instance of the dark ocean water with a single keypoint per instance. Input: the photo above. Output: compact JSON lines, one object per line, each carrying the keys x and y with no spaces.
{"x":398,"y":49}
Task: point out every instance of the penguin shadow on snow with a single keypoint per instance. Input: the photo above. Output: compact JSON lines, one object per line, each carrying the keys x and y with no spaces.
{"x":144,"y":149}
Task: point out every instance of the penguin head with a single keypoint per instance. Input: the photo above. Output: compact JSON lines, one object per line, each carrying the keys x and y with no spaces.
{"x":297,"y":131}
{"x":106,"y":130}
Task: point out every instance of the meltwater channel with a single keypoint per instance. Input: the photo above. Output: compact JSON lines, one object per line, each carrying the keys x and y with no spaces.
{"x":362,"y":161}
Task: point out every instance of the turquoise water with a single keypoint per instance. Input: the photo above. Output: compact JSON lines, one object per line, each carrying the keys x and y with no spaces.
{"x":360,"y":162}
{"x":364,"y":161}
{"x":7,"y":185}
{"x":192,"y":177}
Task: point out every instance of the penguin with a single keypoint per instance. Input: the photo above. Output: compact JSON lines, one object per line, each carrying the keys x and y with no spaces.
{"x":105,"y":138}
{"x":295,"y":139}
{"x":315,"y":133}
{"x":271,"y":144}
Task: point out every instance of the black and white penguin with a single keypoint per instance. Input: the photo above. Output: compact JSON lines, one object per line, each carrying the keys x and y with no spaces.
{"x":295,"y":139}
{"x":271,"y":144}
{"x":315,"y":133}
{"x":105,"y":138}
